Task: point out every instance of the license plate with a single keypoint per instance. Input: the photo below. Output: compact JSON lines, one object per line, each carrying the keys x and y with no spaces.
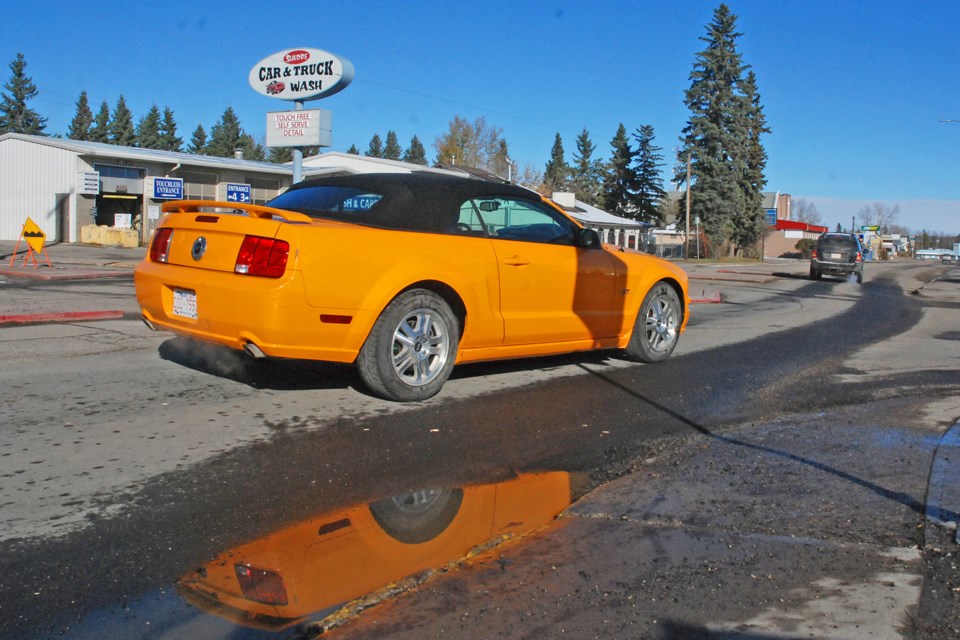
{"x":834,"y":256}
{"x":185,"y":303}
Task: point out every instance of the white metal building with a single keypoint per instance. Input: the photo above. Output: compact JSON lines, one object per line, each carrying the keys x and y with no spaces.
{"x":66,"y":185}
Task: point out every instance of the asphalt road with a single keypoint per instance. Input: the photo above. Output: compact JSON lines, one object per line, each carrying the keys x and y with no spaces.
{"x":129,"y":458}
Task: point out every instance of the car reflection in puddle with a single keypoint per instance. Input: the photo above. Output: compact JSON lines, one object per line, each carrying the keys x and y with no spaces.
{"x":300,"y":576}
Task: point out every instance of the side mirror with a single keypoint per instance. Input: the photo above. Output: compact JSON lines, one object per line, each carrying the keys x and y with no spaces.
{"x":588,"y":239}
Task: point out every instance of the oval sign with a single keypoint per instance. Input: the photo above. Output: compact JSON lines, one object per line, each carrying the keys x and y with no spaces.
{"x":301,"y":74}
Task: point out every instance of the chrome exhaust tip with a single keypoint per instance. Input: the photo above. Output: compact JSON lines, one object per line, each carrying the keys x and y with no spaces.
{"x":254,"y":350}
{"x":149,"y":324}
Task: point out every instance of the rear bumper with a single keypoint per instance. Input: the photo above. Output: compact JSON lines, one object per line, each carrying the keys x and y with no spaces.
{"x":234,"y":311}
{"x":836,"y":267}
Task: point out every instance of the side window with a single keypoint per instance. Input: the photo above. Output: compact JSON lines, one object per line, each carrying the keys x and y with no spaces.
{"x":511,"y":219}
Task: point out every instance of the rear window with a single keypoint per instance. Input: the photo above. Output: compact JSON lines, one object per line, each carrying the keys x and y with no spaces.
{"x":338,"y":203}
{"x":838,"y":243}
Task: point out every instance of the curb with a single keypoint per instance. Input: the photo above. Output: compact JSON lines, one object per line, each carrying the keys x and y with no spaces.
{"x":64,"y":316}
{"x":756,"y":279}
{"x":943,"y":489}
{"x":69,"y":273}
{"x":707,"y":297}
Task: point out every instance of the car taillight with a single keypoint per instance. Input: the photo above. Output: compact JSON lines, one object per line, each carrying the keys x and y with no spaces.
{"x":160,"y":246}
{"x":264,"y":257}
{"x":813,"y":254}
{"x":261,"y":585}
{"x":859,"y":257}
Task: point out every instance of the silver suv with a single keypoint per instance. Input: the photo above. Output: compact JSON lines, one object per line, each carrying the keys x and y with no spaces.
{"x":838,"y":254}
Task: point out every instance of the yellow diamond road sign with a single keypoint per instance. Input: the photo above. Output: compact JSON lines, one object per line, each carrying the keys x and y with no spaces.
{"x":34,"y":235}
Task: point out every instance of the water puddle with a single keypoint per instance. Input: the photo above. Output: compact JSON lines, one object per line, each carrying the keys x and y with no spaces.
{"x":312,"y":576}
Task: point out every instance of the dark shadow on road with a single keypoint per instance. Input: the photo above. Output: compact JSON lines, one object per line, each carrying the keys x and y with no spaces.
{"x":304,"y":375}
{"x":675,"y":630}
{"x":278,"y":375}
{"x":897,"y":496}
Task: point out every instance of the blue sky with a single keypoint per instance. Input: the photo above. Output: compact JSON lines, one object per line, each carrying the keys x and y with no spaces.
{"x":853,"y":91}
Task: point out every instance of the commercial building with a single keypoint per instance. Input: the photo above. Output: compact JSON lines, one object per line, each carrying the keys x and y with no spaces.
{"x":69,"y":187}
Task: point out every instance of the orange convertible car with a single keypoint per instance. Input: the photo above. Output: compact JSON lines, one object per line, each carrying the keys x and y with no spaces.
{"x":404,"y":275}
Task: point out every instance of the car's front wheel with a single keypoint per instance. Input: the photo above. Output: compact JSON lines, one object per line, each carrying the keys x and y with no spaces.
{"x":657,"y":328}
{"x":410,"y":351}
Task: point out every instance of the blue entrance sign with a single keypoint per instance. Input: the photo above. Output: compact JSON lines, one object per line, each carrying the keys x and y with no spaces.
{"x":771,"y":217}
{"x":238,"y":193}
{"x":167,"y":189}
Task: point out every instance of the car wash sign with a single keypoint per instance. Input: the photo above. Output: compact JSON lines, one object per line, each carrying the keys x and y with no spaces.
{"x":165,"y":188}
{"x":301,"y":74}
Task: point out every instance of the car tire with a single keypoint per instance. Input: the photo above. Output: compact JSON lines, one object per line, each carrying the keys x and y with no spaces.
{"x":410,"y":351}
{"x":419,"y":516}
{"x":657,"y":328}
{"x":814,"y":274}
{"x":860,"y":277}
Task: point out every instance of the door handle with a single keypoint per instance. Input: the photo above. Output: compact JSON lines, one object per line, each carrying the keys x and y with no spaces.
{"x":516,"y":261}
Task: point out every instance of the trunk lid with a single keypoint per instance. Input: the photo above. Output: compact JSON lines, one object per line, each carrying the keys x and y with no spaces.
{"x":211,"y":240}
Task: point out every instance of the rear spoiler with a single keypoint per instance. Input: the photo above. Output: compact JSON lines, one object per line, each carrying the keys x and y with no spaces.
{"x":252,"y":210}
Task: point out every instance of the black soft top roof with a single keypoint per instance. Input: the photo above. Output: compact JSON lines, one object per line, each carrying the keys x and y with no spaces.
{"x":418,"y":201}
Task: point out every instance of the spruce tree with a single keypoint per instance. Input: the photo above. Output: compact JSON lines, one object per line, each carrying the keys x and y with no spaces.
{"x":499,"y":163}
{"x":100,"y":131}
{"x":252,"y":150}
{"x":748,"y":227}
{"x":557,"y":172}
{"x":587,"y":172}
{"x":148,"y":130}
{"x":122,"y":131}
{"x":375,"y":149}
{"x":280,"y":155}
{"x":392,"y":150}
{"x":722,"y":138}
{"x":619,"y":186}
{"x":415,"y":153}
{"x":198,"y":141}
{"x":225,"y":136}
{"x":353,"y":150}
{"x":82,"y":120}
{"x":15,"y":115}
{"x":169,"y":140}
{"x":649,"y":185}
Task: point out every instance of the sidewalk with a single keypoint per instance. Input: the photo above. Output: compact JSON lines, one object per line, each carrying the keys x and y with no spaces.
{"x":68,"y":262}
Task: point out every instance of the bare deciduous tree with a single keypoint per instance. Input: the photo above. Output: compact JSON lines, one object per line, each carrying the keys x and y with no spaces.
{"x":532,"y":178}
{"x":475,"y":144}
{"x":805,"y":211}
{"x":878,"y":213}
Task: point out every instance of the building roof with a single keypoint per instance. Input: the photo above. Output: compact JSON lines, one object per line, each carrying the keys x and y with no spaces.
{"x":770,"y":199}
{"x":591,"y":215}
{"x":352,"y":163}
{"x":137,"y":154}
